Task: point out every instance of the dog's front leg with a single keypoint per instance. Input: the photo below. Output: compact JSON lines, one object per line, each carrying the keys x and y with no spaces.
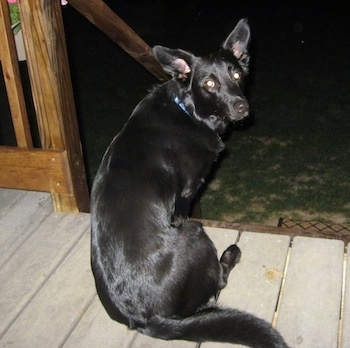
{"x":182,"y":207}
{"x":184,"y":199}
{"x":183,"y":203}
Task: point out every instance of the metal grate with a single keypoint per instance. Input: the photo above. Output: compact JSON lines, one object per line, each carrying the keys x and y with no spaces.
{"x":313,"y":225}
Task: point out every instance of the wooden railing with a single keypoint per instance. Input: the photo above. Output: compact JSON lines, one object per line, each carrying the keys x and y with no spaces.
{"x":57,"y":167}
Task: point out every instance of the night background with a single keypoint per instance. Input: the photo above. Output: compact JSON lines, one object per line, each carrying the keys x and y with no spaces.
{"x":294,"y":160}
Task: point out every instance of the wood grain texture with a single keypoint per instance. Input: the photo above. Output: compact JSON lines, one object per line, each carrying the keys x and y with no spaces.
{"x":36,"y":169}
{"x":52,"y":89}
{"x":12,"y":79}
{"x":34,"y":263}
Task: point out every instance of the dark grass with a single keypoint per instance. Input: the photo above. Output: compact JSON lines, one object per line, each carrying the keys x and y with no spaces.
{"x":295,"y":160}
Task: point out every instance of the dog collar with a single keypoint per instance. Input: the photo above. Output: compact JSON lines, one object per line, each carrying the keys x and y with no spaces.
{"x":180,"y":104}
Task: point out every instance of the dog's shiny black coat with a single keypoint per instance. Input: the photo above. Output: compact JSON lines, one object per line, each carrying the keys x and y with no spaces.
{"x":155,"y":270}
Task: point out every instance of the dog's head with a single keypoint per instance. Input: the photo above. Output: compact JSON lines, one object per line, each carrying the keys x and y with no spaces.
{"x":210,"y":89}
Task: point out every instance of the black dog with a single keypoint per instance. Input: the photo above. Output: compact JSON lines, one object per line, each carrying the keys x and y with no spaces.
{"x":155,"y":270}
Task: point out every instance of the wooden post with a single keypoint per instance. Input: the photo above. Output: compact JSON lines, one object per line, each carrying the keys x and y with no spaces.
{"x":53,"y":94}
{"x":98,"y":13}
{"x":12,"y":79}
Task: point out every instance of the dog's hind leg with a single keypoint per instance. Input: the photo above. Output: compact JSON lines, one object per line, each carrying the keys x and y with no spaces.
{"x":231,"y":256}
{"x":228,"y":260}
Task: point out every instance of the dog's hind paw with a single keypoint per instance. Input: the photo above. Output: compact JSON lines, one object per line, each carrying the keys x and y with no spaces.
{"x":231,"y":256}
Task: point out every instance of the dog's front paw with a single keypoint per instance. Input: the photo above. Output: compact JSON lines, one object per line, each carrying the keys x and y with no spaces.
{"x":231,"y":256}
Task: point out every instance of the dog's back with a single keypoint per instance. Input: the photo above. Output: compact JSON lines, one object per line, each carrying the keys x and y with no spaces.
{"x":155,"y":270}
{"x":134,"y":197}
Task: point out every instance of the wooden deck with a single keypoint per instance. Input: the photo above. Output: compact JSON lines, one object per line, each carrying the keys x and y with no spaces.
{"x":48,"y":298}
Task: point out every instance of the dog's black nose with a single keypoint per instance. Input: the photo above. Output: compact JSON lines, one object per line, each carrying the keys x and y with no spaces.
{"x":241,"y":107}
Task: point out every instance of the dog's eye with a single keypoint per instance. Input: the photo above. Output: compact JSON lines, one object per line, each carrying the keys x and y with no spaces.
{"x":236,"y":75}
{"x":209,"y":84}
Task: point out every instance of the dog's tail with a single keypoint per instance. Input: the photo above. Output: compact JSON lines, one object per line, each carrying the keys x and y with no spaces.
{"x":219,"y":325}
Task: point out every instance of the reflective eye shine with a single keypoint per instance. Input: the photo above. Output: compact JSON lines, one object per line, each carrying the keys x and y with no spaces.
{"x":236,"y":75}
{"x":209,"y":84}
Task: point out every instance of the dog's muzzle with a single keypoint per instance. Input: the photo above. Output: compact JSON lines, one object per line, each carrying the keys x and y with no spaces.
{"x":241,"y":109}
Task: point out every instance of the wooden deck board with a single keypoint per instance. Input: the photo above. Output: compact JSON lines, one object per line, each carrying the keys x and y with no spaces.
{"x":254,"y":284}
{"x":34,"y":208}
{"x":142,"y":341}
{"x":96,"y":329}
{"x":59,"y":304}
{"x":222,"y":238}
{"x":310,"y":306}
{"x":48,"y":297}
{"x":22,"y":276}
{"x":8,"y":197}
{"x":346,"y":309}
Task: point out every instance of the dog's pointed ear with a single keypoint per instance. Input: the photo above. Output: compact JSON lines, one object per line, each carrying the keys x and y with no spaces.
{"x":175,"y":62}
{"x":238,"y":41}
